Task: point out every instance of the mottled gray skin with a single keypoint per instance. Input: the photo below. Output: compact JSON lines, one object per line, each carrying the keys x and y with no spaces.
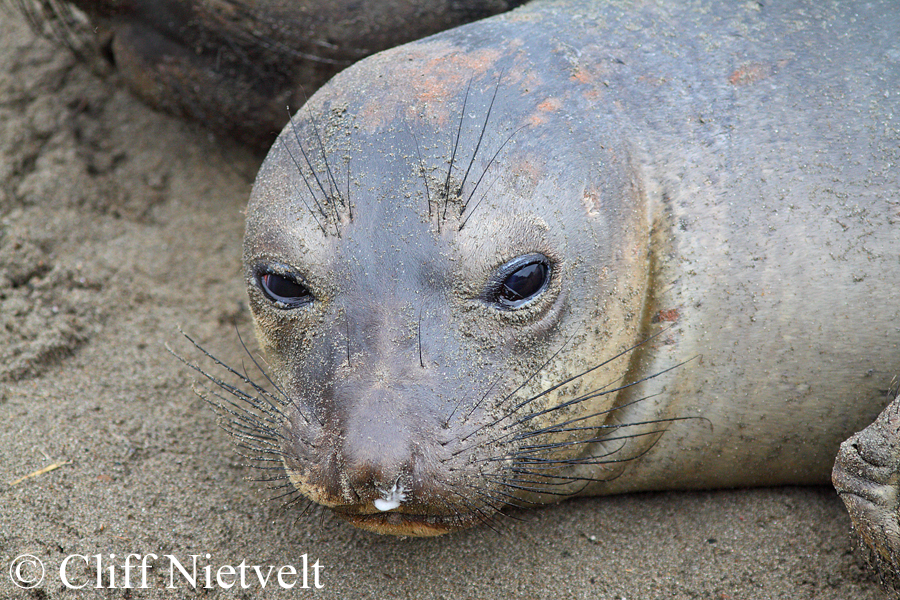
{"x":715,"y":190}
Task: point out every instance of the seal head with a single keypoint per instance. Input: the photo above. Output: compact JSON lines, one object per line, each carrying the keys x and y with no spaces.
{"x":435,"y":268}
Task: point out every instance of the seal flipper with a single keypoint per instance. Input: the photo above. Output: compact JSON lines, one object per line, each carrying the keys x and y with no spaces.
{"x":867,"y":478}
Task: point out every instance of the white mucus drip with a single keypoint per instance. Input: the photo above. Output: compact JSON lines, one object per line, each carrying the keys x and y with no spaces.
{"x":391,"y":499}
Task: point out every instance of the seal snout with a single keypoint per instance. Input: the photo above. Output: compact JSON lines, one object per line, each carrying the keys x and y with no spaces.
{"x":378,"y":464}
{"x":388,"y":483}
{"x":375,"y":452}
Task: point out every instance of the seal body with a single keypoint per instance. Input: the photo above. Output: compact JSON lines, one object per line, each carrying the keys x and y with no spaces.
{"x":701,"y":202}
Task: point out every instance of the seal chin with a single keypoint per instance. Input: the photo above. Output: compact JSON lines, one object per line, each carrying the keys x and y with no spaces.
{"x":403,"y":524}
{"x":392,"y":511}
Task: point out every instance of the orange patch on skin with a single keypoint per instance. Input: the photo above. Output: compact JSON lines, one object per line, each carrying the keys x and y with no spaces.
{"x":582,"y":76}
{"x":420,"y":79}
{"x":750,"y":73}
{"x":670,"y":315}
{"x":424,"y":81}
{"x":550,"y":105}
{"x":591,"y":74}
{"x":547,"y":106}
{"x":452,"y":71}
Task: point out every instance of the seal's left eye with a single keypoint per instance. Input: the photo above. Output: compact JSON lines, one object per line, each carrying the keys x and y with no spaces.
{"x":283,"y":290}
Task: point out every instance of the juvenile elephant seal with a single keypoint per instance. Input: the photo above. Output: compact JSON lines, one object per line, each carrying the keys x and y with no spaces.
{"x":581,"y":248}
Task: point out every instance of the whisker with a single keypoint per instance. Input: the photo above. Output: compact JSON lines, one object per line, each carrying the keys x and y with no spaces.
{"x":421,"y":169}
{"x":258,"y":366}
{"x":234,"y":391}
{"x":347,"y":325}
{"x":592,"y":395}
{"x":478,"y":143}
{"x":513,"y":483}
{"x":291,"y":492}
{"x":483,"y":173}
{"x":522,"y":385}
{"x":602,"y":460}
{"x":508,"y":499}
{"x":474,"y":406}
{"x":315,"y":177}
{"x":302,"y":174}
{"x":498,"y":496}
{"x":271,"y":479}
{"x":507,"y":432}
{"x":419,"y":339}
{"x":560,"y":427}
{"x":567,"y":479}
{"x":252,"y":400}
{"x":240,"y":430}
{"x":488,"y":520}
{"x":512,"y":433}
{"x":349,"y":158}
{"x":529,"y":454}
{"x":335,"y":191}
{"x":267,"y":421}
{"x":462,"y":116}
{"x":303,"y":512}
{"x":617,"y":426}
{"x":591,"y":370}
{"x":543,"y":480}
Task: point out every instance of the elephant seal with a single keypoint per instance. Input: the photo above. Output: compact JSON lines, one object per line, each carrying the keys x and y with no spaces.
{"x":234,"y":65}
{"x":581,"y":248}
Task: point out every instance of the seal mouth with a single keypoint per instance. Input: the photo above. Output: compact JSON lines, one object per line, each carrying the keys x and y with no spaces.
{"x":404,"y":524}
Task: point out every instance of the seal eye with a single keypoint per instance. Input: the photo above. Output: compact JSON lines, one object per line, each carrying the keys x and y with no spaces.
{"x":283,"y":291}
{"x":524,"y":283}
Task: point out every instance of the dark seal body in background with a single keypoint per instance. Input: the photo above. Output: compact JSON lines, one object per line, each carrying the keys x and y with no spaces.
{"x":703,"y":198}
{"x":237,"y":65}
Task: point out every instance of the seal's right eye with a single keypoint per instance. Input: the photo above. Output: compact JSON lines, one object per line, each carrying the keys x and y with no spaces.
{"x":523,"y":285}
{"x":283,"y":291}
{"x":519,"y":281}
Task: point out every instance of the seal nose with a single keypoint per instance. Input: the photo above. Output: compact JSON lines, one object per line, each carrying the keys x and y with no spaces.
{"x":378,"y":448}
{"x":378,"y":459}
